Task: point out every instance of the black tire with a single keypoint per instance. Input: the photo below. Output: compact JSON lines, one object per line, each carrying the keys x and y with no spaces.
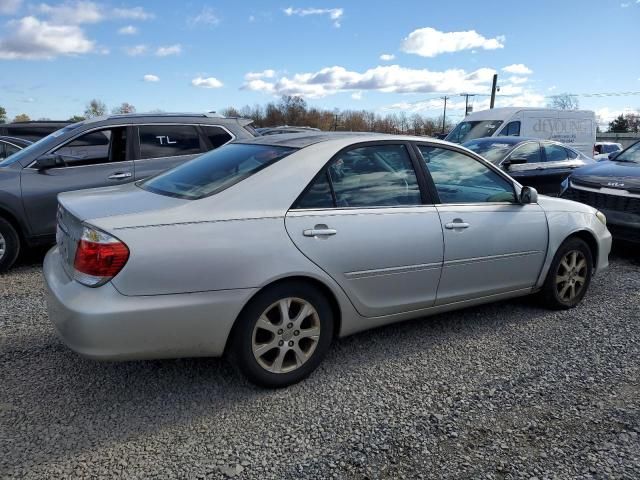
{"x":552,"y":289}
{"x":11,"y":245}
{"x":241,"y":347}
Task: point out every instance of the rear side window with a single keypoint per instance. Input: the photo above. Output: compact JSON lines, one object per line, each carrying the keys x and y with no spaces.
{"x":216,"y":135}
{"x":555,"y":153}
{"x":10,"y":149}
{"x":215,"y":171}
{"x":371,"y":176}
{"x":158,"y":141}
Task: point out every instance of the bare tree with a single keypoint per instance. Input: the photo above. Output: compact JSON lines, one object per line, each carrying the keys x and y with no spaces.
{"x":125,"y":108}
{"x":95,"y":108}
{"x":564,"y":101}
{"x":23,"y":117}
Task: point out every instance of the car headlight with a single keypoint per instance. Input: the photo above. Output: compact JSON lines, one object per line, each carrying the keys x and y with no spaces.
{"x":602,"y":217}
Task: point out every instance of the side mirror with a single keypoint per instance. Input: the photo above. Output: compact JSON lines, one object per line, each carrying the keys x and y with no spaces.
{"x":528,"y":195}
{"x":613,"y":155}
{"x":51,"y":160}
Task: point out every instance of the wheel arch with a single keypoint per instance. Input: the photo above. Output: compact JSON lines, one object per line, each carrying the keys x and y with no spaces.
{"x":321,"y":286}
{"x":590,"y":239}
{"x":15,"y":223}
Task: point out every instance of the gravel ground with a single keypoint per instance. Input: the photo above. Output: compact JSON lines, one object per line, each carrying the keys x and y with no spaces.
{"x":502,"y":391}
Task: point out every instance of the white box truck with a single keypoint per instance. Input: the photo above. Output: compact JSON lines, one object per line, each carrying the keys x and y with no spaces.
{"x":572,"y":127}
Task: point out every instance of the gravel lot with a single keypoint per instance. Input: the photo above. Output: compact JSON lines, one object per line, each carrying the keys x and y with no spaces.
{"x":503,"y":391}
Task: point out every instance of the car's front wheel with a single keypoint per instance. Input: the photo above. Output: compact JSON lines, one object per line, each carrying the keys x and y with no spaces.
{"x":9,"y":245}
{"x":283,"y":334}
{"x":569,"y":275}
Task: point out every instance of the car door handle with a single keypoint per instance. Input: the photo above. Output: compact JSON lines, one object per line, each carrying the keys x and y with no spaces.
{"x":120,"y":176}
{"x":452,"y":225}
{"x":319,"y":232}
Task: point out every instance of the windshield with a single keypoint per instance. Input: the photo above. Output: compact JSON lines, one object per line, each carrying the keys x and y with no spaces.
{"x":631,"y":154}
{"x":47,"y":142}
{"x":495,"y":152}
{"x":466,"y":131}
{"x":215,"y":171}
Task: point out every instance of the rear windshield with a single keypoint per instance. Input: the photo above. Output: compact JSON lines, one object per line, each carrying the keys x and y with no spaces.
{"x":214,"y":171}
{"x":466,"y":131}
{"x":495,"y":152}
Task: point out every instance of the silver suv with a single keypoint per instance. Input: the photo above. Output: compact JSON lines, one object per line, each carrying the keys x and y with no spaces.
{"x":99,"y":152}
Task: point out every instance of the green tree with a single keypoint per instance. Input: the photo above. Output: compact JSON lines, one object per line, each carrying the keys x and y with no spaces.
{"x":77,"y":118}
{"x":3,"y":115}
{"x":23,"y":117}
{"x":95,"y":108}
{"x":619,"y":125}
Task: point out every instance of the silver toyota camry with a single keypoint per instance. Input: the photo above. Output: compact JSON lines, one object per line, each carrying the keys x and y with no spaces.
{"x":268,"y":250}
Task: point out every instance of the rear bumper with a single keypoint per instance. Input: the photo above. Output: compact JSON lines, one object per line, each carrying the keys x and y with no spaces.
{"x":101,"y":323}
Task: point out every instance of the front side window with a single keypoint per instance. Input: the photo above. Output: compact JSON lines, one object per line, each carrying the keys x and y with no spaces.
{"x":97,"y":147}
{"x":555,"y":153}
{"x":461,"y":179}
{"x":215,"y":171}
{"x":466,"y":131}
{"x":512,"y":129}
{"x":371,"y":176}
{"x":529,"y":152}
{"x":157,"y":141}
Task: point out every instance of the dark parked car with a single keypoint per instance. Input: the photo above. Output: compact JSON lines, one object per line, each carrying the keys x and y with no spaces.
{"x":541,"y":164}
{"x":99,"y":152}
{"x":11,"y":145}
{"x":285,"y":129}
{"x":612,"y":186}
{"x":32,"y":131}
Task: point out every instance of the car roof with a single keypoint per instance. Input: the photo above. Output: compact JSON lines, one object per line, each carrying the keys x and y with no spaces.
{"x":210,"y":117}
{"x":505,"y":139}
{"x":20,"y":141}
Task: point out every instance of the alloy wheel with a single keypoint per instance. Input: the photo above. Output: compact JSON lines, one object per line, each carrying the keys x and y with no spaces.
{"x":571,"y":276}
{"x":286,"y":335}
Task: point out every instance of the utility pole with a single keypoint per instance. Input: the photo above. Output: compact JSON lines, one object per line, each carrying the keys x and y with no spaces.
{"x":466,"y":102}
{"x":335,"y":121}
{"x":444,"y":115}
{"x":494,"y":86}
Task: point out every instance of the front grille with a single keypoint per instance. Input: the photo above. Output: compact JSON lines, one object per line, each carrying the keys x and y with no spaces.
{"x":604,"y":201}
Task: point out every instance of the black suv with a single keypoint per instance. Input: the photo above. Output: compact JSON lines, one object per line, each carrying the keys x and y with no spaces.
{"x":96,"y":153}
{"x":612,"y":186}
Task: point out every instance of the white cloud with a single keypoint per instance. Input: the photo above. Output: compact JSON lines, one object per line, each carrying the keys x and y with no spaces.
{"x":518,"y":69}
{"x":389,"y":78}
{"x":552,"y":88}
{"x":8,"y":7}
{"x":257,"y":75}
{"x":207,"y":16}
{"x":387,"y":57}
{"x":169,"y":50}
{"x":209,"y":82}
{"x":151,"y":78}
{"x":606,"y":115}
{"x":72,"y":13}
{"x":136,"y":50}
{"x":30,"y":38}
{"x":334,"y":14}
{"x":356,"y":95}
{"x":525,"y":99}
{"x":429,"y":42}
{"x":128,"y":30}
{"x":135,"y":13}
{"x":517,"y":80}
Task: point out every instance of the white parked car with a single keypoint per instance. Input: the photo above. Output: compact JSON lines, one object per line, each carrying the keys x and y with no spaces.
{"x":602,"y":150}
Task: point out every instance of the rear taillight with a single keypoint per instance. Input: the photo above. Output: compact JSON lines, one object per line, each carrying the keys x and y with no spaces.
{"x":99,"y":257}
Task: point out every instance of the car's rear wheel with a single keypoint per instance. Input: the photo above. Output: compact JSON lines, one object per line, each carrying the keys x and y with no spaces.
{"x":9,"y":245}
{"x":569,"y":275}
{"x":283,"y":334}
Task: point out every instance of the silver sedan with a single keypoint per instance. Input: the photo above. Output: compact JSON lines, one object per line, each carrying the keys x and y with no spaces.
{"x":269,"y":249}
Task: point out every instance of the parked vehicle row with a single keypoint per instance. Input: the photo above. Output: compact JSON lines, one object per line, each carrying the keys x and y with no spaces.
{"x":267,"y":249}
{"x":105,"y":151}
{"x":11,"y":145}
{"x":32,"y":130}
